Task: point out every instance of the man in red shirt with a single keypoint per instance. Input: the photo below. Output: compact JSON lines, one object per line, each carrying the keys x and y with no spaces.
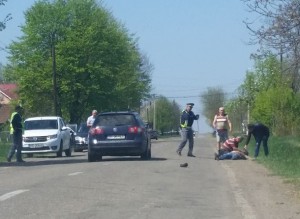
{"x":229,"y":145}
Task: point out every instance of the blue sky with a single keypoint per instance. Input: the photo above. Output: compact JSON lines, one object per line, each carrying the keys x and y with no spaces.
{"x":192,"y":44}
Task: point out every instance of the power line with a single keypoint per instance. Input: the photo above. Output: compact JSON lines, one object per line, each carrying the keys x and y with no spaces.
{"x":179,"y":97}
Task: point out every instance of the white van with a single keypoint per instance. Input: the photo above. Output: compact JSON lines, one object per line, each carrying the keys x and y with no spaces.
{"x":47,"y":134}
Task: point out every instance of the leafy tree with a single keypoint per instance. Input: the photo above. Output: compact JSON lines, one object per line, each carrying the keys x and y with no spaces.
{"x":1,"y":73}
{"x":279,"y":33}
{"x":211,"y":100}
{"x":7,"y":17}
{"x":266,"y":74}
{"x":163,"y":113}
{"x":270,"y":97}
{"x":238,"y":113}
{"x":80,"y":47}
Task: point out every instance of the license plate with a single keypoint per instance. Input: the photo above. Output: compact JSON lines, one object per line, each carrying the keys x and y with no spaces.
{"x":35,"y":145}
{"x":116,"y":137}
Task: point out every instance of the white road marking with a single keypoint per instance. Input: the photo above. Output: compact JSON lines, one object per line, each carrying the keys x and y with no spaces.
{"x":12,"y":194}
{"x":242,"y":203}
{"x":74,"y":174}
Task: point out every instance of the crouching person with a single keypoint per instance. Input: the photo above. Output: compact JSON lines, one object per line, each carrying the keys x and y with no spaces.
{"x":229,"y":145}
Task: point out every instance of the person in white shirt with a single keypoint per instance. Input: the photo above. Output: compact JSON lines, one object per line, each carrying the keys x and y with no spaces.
{"x":91,"y":119}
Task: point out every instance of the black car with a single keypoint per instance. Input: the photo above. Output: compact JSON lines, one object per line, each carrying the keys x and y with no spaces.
{"x":118,"y":134}
{"x":81,"y":142}
{"x":153,"y":134}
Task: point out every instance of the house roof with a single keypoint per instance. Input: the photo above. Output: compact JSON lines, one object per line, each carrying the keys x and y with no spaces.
{"x":9,"y":90}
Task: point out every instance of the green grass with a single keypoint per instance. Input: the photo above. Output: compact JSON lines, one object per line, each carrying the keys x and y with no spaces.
{"x":283,"y":159}
{"x":4,"y":148}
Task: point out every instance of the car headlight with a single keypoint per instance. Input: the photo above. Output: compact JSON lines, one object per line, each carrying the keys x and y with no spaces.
{"x":51,"y":137}
{"x":78,"y":138}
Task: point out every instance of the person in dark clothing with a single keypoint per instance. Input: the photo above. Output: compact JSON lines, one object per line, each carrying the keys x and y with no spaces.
{"x":16,"y":132}
{"x":187,"y":133}
{"x":261,"y":133}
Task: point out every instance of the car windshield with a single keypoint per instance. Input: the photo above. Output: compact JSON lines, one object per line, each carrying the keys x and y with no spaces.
{"x":83,"y":128}
{"x":40,"y":124}
{"x":115,"y":120}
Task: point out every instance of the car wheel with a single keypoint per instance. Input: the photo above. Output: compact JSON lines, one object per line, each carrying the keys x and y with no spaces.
{"x":147,"y":154}
{"x":68,"y":152}
{"x":91,"y":157}
{"x":144,"y":155}
{"x":59,"y":152}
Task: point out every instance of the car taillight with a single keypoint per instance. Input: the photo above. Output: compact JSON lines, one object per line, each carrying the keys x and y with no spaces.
{"x":135,"y":129}
{"x":96,"y":131}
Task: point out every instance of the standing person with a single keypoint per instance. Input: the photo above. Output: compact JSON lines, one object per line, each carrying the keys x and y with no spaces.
{"x":16,"y":129}
{"x":221,"y":123}
{"x":91,"y":119}
{"x":261,"y":133}
{"x":187,"y":133}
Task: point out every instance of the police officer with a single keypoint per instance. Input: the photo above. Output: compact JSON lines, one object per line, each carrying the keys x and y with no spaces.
{"x":186,"y":122}
{"x":16,"y":133}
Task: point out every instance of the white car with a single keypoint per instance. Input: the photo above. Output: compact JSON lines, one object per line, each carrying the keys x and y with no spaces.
{"x":47,"y":134}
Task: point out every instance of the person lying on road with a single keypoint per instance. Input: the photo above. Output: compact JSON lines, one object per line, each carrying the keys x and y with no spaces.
{"x":233,"y":155}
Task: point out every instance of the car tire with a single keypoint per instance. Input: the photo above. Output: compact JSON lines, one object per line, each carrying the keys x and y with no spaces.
{"x":78,"y":150}
{"x":99,"y":157}
{"x":91,"y":157}
{"x":147,"y":154}
{"x":59,"y":152}
{"x":68,"y":152}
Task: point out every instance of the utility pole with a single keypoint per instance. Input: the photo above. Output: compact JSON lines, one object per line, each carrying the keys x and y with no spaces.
{"x":154,"y":114}
{"x":248,"y":116}
{"x":54,"y":78}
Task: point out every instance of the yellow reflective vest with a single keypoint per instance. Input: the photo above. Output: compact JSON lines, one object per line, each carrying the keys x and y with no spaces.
{"x":11,"y":131}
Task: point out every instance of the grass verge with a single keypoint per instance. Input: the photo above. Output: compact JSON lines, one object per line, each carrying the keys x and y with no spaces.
{"x":283,"y":159}
{"x":4,"y":148}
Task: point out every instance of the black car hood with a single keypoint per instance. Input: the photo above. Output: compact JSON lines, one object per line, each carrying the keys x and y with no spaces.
{"x":81,"y":134}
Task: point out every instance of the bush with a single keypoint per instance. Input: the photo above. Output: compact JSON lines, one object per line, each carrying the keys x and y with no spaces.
{"x":4,"y":148}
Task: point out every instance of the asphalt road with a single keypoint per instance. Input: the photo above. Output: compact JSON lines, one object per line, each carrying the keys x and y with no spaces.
{"x":130,"y":188}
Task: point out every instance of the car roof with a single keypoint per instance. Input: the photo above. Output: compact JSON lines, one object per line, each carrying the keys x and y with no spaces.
{"x":118,"y":112}
{"x":43,"y":118}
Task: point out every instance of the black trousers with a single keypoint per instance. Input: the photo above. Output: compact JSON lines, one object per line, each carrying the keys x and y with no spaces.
{"x":17,"y":144}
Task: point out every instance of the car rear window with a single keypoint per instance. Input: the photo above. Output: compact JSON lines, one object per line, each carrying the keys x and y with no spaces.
{"x":116,"y":120}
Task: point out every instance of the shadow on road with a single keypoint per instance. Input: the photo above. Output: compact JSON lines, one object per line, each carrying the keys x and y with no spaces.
{"x":53,"y":160}
{"x":130,"y":159}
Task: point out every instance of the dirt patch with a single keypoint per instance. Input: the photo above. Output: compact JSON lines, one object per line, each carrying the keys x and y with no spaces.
{"x":268,"y":195}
